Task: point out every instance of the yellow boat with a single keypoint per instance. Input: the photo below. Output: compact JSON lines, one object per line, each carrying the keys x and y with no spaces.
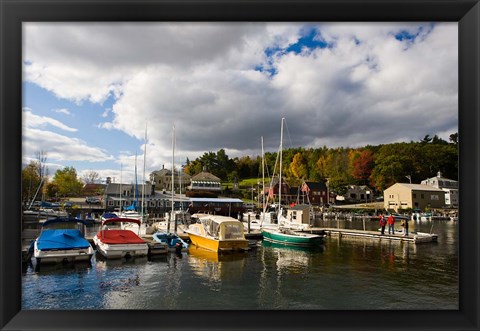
{"x":217,"y":233}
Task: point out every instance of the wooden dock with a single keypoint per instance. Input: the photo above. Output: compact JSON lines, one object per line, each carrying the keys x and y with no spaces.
{"x":416,"y":238}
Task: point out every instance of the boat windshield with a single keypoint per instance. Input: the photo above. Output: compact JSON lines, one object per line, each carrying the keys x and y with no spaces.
{"x":233,"y":231}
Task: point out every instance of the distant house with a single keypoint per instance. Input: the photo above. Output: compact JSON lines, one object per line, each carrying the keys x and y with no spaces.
{"x":316,"y":192}
{"x":450,"y":187}
{"x":413,"y":196}
{"x":206,"y":184}
{"x":162,"y":180}
{"x":288,"y":195}
{"x":358,"y":194}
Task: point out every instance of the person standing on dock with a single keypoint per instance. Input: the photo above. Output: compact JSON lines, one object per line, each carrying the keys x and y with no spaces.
{"x":383,"y":222}
{"x":405,"y":227}
{"x":391,"y":224}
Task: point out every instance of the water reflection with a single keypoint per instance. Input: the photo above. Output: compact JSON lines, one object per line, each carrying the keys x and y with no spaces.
{"x":215,"y":266}
{"x":344,"y":273}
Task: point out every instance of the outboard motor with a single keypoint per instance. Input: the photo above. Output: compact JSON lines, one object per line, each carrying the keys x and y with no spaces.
{"x":178,"y":247}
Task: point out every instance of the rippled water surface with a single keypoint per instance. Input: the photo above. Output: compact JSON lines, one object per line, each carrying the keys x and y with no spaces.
{"x":342,"y":274}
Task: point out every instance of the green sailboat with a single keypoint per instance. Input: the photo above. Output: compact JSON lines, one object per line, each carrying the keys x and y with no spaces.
{"x":284,"y":235}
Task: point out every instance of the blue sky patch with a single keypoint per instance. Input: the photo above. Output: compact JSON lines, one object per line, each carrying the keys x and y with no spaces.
{"x":310,"y":40}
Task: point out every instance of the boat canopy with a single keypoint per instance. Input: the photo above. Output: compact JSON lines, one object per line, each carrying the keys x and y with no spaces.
{"x":63,"y":239}
{"x":109,"y":215}
{"x":223,"y":227}
{"x":119,"y":237}
{"x":121,"y":219}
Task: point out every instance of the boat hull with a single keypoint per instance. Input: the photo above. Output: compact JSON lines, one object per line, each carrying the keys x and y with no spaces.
{"x":63,"y":256}
{"x":216,"y":245}
{"x":118,"y":251}
{"x":297,"y":239}
{"x":156,"y":248}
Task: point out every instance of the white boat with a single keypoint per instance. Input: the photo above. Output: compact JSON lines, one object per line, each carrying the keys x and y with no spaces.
{"x":113,"y":242}
{"x":43,"y":213}
{"x":61,"y":241}
{"x":133,"y":214}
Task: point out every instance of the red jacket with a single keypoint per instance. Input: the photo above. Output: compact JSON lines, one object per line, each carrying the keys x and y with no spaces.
{"x":391,"y":219}
{"x":382,"y":221}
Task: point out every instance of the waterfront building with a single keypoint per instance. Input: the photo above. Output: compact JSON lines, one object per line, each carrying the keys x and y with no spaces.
{"x":413,"y":196}
{"x":218,"y":206}
{"x":204,"y":184}
{"x":450,"y":187}
{"x":316,"y":191}
{"x":118,"y":195}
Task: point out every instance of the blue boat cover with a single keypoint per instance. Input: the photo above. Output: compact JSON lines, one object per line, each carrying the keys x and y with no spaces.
{"x":61,"y":239}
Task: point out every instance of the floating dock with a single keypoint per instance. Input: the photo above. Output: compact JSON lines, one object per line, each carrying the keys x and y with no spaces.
{"x":415,"y":237}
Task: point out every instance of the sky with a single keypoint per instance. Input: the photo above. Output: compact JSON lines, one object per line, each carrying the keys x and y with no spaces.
{"x":92,"y":92}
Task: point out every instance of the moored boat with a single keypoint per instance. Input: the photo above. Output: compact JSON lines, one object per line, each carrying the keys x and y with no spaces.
{"x":290,"y":237}
{"x":218,"y":233}
{"x":113,"y":242}
{"x":61,"y":242}
{"x":173,"y":241}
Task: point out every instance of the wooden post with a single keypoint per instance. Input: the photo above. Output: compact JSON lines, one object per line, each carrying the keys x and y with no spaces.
{"x":248,"y":228}
{"x":363,"y":218}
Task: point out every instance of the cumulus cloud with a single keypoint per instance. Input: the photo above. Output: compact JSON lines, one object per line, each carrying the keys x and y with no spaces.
{"x":62,"y":111}
{"x":60,"y":147}
{"x":224,"y":85}
{"x":31,"y":120}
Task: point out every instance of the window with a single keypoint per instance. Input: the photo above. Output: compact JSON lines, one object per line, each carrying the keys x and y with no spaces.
{"x":414,"y":195}
{"x":422,"y":196}
{"x":434,"y":197}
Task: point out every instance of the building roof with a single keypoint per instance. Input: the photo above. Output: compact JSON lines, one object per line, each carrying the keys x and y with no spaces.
{"x":316,"y":186}
{"x":206,"y":176}
{"x":162,"y":172}
{"x":418,"y":187}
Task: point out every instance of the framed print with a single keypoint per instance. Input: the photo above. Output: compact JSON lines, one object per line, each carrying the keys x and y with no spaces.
{"x":172,"y":102}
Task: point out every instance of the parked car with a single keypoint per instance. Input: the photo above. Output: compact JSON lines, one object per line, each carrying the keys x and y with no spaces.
{"x":93,"y":200}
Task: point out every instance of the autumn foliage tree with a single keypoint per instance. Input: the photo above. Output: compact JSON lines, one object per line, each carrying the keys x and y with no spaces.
{"x":299,"y":167}
{"x":67,"y":182}
{"x":362,"y":166}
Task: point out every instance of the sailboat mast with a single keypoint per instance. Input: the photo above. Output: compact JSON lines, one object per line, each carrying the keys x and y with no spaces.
{"x":280,"y":176}
{"x":121,"y":192}
{"x":136,"y":182}
{"x":173,"y":178}
{"x":263,"y":177}
{"x":144,"y":163}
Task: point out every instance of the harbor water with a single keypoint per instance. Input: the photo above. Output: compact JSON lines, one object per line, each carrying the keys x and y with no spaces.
{"x":343,"y":274}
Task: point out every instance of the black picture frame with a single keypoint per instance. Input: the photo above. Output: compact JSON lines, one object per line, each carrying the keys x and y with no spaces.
{"x":14,"y":12}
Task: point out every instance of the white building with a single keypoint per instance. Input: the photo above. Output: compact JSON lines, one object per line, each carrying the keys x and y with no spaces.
{"x":449,"y":186}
